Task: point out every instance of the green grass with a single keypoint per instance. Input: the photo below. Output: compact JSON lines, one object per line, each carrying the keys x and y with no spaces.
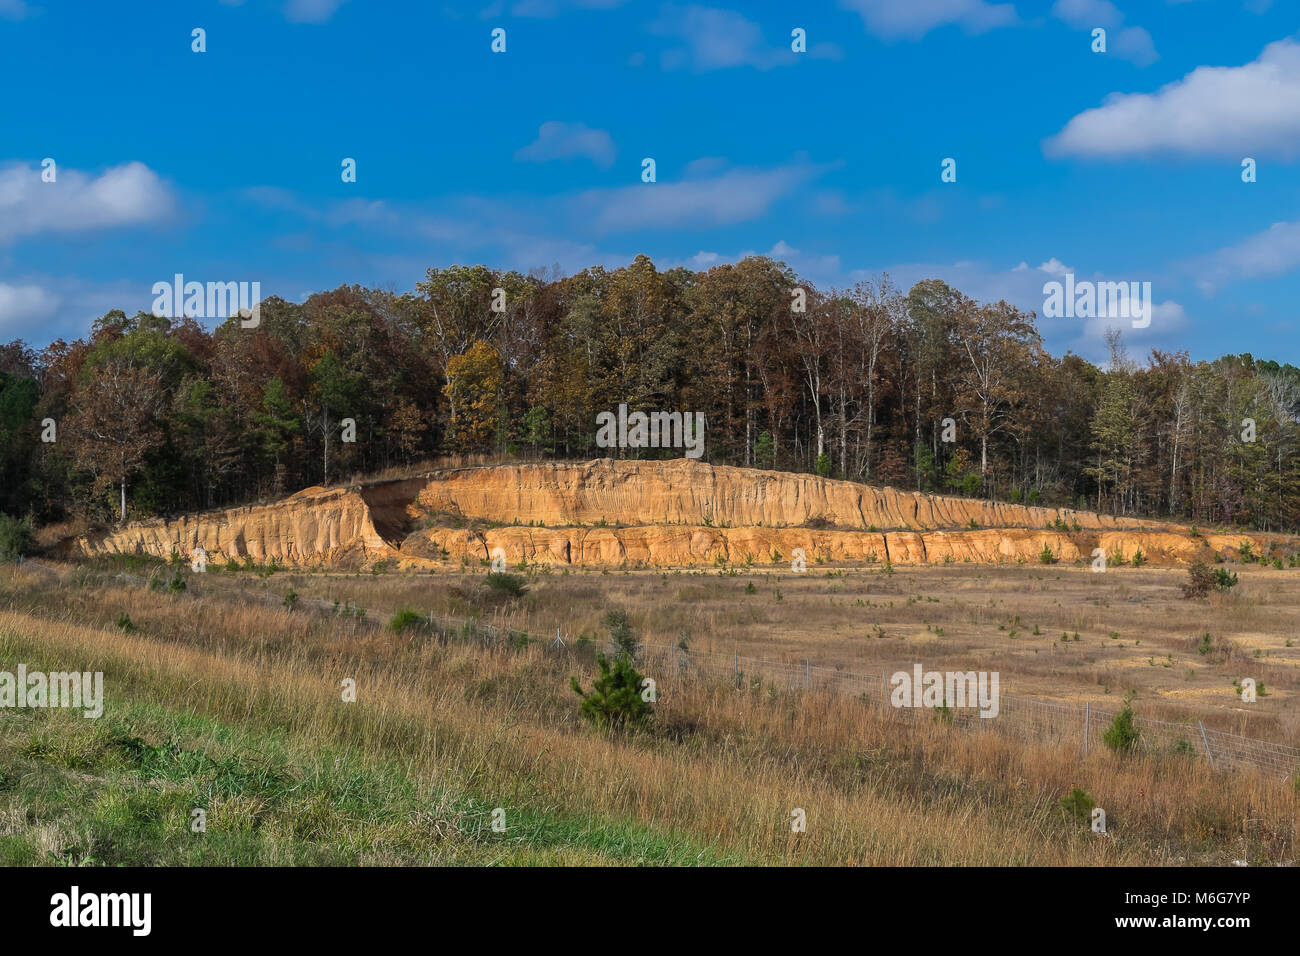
{"x":121,"y":791}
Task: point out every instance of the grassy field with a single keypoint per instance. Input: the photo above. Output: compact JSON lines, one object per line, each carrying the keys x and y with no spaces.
{"x":226,"y":697}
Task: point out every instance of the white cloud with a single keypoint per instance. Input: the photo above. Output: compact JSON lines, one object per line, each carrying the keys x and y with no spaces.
{"x":1130,"y":43}
{"x":23,"y":304}
{"x":717,"y":39}
{"x":121,"y":196}
{"x":820,"y":269}
{"x":557,"y":140}
{"x":545,"y":9}
{"x":738,"y":195}
{"x":1166,"y":318}
{"x":1220,"y":111}
{"x":311,"y":11}
{"x":1086,"y":14}
{"x":1134,"y":44}
{"x":913,"y":19}
{"x":1273,"y":252}
{"x":14,"y":10}
{"x":32,"y":309}
{"x":824,"y":271}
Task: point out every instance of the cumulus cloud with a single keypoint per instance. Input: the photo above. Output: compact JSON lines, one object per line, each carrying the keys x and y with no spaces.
{"x":913,"y":19}
{"x":1234,"y":111}
{"x":557,"y":140}
{"x":124,"y":195}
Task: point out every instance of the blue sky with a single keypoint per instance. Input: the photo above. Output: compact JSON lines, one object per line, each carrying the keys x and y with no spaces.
{"x":225,"y":165}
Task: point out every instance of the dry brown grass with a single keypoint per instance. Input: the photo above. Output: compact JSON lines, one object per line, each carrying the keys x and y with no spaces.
{"x":951,"y":617}
{"x":723,"y":766}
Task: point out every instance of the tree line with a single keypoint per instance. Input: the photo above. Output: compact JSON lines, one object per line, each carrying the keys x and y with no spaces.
{"x":923,"y":389}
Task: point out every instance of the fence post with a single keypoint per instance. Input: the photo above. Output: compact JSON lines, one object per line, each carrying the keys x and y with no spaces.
{"x":737,"y":665}
{"x":807,"y":671}
{"x":1206,"y":741}
{"x":1087,"y":722}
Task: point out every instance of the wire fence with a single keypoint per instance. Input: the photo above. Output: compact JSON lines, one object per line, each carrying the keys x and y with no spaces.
{"x":1031,"y":719}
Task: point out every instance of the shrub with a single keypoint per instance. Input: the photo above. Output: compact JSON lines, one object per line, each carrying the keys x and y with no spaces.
{"x":1139,"y":558}
{"x":124,"y":623}
{"x":823,"y":465}
{"x":1046,"y":556}
{"x":290,"y":600}
{"x":1224,"y":578}
{"x":15,"y":537}
{"x":405,"y":619}
{"x":615,"y":697}
{"x":1122,"y":735}
{"x":504,"y":584}
{"x":626,"y":644}
{"x":750,"y":589}
{"x":1246,"y":549}
{"x":1200,"y":580}
{"x":177,"y":584}
{"x":1078,"y":804}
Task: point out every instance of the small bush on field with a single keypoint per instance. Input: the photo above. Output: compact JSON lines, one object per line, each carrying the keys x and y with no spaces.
{"x":1046,"y":556}
{"x":614,"y":700}
{"x":1122,"y":735}
{"x":406,"y":619}
{"x":290,"y":600}
{"x":177,"y":584}
{"x":124,"y":623}
{"x":15,"y":537}
{"x":1078,"y":804}
{"x":1202,"y":579}
{"x":626,"y":643}
{"x":505,"y":584}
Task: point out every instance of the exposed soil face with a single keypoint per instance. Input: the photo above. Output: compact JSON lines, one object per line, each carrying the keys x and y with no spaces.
{"x":663,"y":514}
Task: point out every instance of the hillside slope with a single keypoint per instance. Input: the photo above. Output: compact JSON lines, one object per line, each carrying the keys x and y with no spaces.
{"x":661,"y":513}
